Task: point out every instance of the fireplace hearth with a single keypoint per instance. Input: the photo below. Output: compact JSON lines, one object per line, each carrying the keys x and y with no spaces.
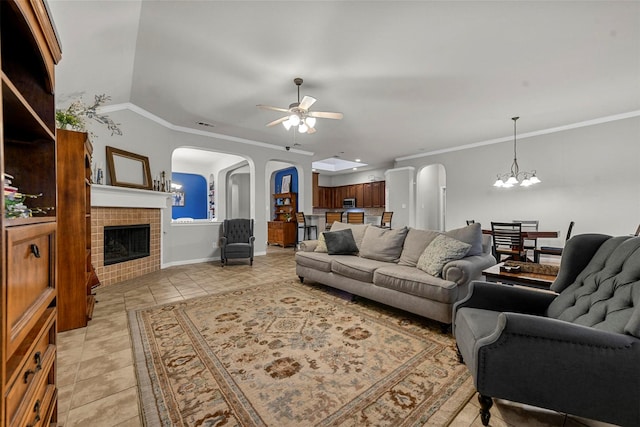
{"x":126,"y":242}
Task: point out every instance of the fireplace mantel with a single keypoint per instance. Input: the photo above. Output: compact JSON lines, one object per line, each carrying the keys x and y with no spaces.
{"x":121,"y":197}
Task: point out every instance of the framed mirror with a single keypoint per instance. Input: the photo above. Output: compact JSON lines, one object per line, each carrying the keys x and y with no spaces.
{"x":128,"y":169}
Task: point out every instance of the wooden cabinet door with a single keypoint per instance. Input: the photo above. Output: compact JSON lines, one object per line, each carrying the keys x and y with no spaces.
{"x":367,"y":195}
{"x":359,"y":195}
{"x":30,"y":279}
{"x":377,"y":199}
{"x":315,"y":202}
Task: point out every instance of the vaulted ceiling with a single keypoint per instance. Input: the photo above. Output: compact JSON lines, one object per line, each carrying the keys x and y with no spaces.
{"x":410,"y":77}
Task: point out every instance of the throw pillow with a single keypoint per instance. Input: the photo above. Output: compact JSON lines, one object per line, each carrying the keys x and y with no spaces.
{"x":383,"y":245}
{"x":439,"y":252}
{"x":414,"y":244}
{"x":357,"y":230}
{"x":340,"y":242}
{"x":322,"y":244}
{"x":471,"y":234}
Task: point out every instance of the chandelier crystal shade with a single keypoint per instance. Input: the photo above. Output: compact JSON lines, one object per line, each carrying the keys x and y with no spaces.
{"x":515,"y":176}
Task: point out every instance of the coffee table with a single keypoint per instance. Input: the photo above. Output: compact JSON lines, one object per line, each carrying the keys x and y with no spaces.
{"x":533,"y":280}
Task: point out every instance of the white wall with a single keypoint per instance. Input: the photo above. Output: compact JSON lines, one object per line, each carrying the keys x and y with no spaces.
{"x":590,"y":175}
{"x":400,"y":191}
{"x":149,"y":136}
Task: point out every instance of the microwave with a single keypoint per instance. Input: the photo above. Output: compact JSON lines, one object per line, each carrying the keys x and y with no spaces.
{"x":348,"y":203}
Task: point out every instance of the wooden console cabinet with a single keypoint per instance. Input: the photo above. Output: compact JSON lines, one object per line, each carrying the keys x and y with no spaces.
{"x":29,"y":50}
{"x":282,"y":233}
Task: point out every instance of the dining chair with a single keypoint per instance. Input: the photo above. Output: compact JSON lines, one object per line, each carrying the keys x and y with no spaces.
{"x":306,"y":229}
{"x":552,"y":250}
{"x":637,"y":231}
{"x":529,"y":225}
{"x":355,"y":217}
{"x":507,"y":240}
{"x":385,"y":221}
{"x":330,"y":218}
{"x":471,"y":221}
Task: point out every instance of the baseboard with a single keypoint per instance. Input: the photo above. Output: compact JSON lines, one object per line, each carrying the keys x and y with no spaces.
{"x":199,"y":260}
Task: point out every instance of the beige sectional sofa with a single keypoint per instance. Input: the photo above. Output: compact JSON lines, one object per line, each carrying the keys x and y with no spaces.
{"x":391,"y":266}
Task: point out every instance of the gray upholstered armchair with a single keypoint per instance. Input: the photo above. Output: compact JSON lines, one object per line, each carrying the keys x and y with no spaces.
{"x":237,"y":240}
{"x":577,"y":352}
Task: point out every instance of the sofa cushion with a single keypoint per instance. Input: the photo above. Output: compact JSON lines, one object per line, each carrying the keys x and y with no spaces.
{"x":358,"y":230}
{"x":322,"y":244}
{"x":439,"y":252}
{"x":415,"y":244}
{"x":340,"y":242}
{"x":383,"y":245}
{"x":357,"y":268}
{"x":416,"y":282}
{"x":316,"y":260}
{"x":471,"y":234}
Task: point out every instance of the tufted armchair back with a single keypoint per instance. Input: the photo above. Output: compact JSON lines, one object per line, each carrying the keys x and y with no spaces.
{"x":238,"y":230}
{"x":605,"y":295}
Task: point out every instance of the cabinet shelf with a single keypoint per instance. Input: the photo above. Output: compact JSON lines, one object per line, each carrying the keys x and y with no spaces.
{"x":13,"y":222}
{"x":281,"y":209}
{"x":20,"y":120}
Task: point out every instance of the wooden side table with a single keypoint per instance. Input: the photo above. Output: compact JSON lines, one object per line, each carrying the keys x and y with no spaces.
{"x":282,"y":233}
{"x":533,"y":280}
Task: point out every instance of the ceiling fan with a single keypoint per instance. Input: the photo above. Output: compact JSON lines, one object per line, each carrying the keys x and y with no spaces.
{"x":298,"y":113}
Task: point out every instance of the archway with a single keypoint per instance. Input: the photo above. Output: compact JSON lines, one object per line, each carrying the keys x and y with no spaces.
{"x":431,"y":187}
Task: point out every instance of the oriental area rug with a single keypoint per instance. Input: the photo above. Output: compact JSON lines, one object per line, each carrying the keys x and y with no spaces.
{"x":288,"y":354}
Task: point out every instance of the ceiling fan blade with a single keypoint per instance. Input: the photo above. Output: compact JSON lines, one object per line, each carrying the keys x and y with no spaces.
{"x":311,"y":130}
{"x":269,"y":107}
{"x":278,"y":121}
{"x":307,"y":102}
{"x":325,"y":115}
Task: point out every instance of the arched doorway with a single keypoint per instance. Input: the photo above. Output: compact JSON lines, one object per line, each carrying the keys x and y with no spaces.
{"x":431,"y":187}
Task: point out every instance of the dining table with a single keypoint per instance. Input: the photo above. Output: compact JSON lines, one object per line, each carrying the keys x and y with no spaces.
{"x":530,"y":234}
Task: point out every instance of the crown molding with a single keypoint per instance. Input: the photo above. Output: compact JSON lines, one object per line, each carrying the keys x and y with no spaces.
{"x":577,"y":125}
{"x":162,"y":122}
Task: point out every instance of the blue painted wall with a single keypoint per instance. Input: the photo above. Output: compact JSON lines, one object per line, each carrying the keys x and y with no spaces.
{"x":195,"y":196}
{"x":294,"y":179}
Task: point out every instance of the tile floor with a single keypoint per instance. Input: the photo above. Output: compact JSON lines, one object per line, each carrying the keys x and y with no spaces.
{"x":96,"y":378}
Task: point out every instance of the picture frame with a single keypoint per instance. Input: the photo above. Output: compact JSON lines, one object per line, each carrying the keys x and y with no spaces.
{"x":286,"y":184}
{"x":177,"y":198}
{"x":128,"y":169}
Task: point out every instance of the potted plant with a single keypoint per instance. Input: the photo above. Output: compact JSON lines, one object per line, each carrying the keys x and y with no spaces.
{"x":73,"y":117}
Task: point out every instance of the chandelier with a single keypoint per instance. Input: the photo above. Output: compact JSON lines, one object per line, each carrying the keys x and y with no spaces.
{"x":513,"y":177}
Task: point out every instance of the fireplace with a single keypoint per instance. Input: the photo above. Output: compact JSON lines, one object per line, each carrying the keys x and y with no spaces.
{"x":126,"y":242}
{"x":119,"y":206}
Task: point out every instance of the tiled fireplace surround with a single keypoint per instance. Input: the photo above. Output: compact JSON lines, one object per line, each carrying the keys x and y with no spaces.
{"x":104,"y":216}
{"x":111,"y":205}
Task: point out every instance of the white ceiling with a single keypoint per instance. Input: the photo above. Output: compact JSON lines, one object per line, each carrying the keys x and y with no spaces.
{"x":410,"y":77}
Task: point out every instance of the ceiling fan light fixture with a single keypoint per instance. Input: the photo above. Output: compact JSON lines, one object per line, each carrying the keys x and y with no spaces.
{"x":298,"y":114}
{"x":294,"y":120}
{"x":310,"y":121}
